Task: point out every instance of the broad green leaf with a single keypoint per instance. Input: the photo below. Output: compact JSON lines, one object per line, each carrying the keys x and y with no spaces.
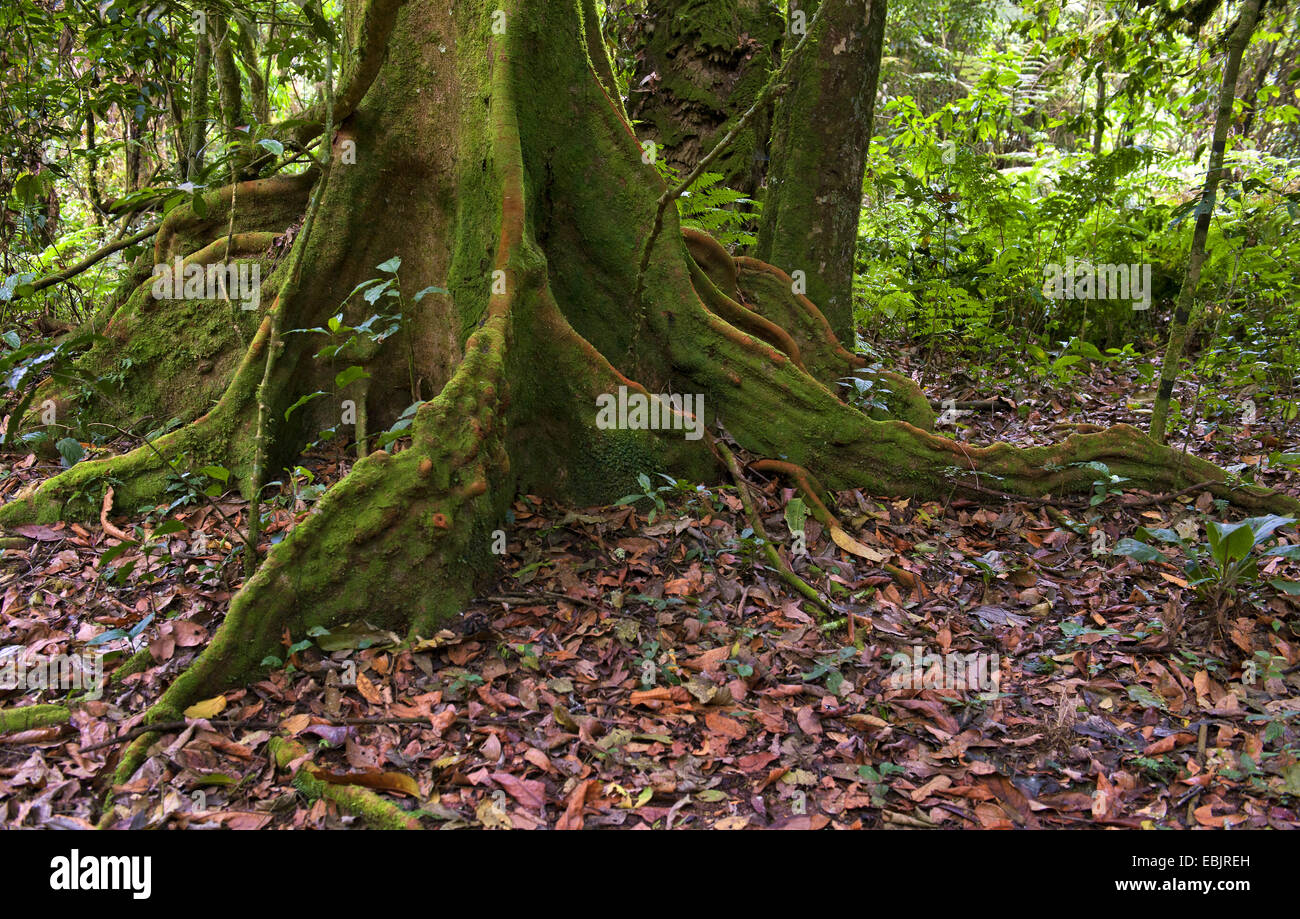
{"x":1138,"y":550}
{"x":420,"y":295}
{"x":349,"y":375}
{"x":796,"y":514}
{"x":300,"y":403}
{"x":169,"y":526}
{"x":71,"y":451}
{"x":220,"y":473}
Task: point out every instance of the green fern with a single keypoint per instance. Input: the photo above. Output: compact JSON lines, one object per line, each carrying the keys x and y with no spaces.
{"x":724,"y":213}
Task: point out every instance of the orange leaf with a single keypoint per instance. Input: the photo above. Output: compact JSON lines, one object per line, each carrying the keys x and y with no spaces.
{"x":852,"y":546}
{"x":571,"y":819}
{"x":384,"y":781}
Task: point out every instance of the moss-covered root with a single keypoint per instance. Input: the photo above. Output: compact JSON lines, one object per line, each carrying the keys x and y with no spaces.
{"x":399,"y":542}
{"x":219,"y":438}
{"x":29,"y":717}
{"x":379,"y":813}
{"x":136,"y":752}
{"x":896,"y":458}
{"x":770,"y":292}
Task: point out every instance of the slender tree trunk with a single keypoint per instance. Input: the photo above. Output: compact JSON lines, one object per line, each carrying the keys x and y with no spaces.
{"x":1099,"y":111}
{"x":200,"y":78}
{"x":230,"y":94}
{"x":820,"y":141}
{"x":245,"y":36}
{"x":92,"y":169}
{"x":1185,"y":317}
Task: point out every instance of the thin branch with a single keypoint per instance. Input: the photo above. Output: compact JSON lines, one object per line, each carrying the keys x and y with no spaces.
{"x":97,"y":256}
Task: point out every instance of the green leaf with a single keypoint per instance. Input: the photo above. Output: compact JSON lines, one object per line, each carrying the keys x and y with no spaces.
{"x":300,"y":403}
{"x":391,"y":266}
{"x":377,"y":291}
{"x":115,"y":552}
{"x":274,"y":146}
{"x":220,"y":473}
{"x":71,"y":451}
{"x":420,"y":295}
{"x":1291,"y":552}
{"x":1161,"y":533}
{"x":1263,"y":527}
{"x":1145,"y":697}
{"x":107,"y":636}
{"x":1229,"y":542}
{"x":1138,"y":550}
{"x":169,"y":526}
{"x":1287,"y":587}
{"x":349,"y":375}
{"x":796,"y":515}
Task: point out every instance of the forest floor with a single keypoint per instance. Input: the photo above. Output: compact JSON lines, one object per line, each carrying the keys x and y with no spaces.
{"x":636,"y":672}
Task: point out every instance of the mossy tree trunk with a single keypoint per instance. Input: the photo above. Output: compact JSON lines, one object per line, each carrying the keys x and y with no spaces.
{"x":820,"y":139}
{"x":492,"y":159}
{"x":700,"y":64}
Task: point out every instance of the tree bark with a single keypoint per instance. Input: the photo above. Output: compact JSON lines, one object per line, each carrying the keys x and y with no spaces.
{"x":701,"y":63}
{"x":230,"y":94}
{"x":820,"y":140}
{"x":200,"y":78}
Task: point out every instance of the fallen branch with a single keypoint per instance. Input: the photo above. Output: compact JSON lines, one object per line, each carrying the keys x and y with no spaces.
{"x":90,"y":260}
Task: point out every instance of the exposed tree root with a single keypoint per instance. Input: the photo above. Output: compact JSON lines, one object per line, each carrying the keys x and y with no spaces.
{"x":218,"y":438}
{"x":28,"y":717}
{"x":544,"y":266}
{"x":813,"y":492}
{"x":769,"y":548}
{"x":379,"y":813}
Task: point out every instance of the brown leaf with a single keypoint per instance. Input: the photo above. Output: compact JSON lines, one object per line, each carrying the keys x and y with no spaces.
{"x":368,"y":690}
{"x":727,"y":727}
{"x":853,"y":547}
{"x":384,"y":781}
{"x":571,"y":819}
{"x":295,"y":724}
{"x":809,"y":723}
{"x":528,"y":792}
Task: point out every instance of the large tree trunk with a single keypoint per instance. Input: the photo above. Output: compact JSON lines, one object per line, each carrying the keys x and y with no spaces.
{"x":497,"y":166}
{"x":819,"y":154}
{"x":701,"y":63}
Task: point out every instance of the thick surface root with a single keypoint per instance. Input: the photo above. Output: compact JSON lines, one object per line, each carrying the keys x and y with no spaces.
{"x":379,"y":814}
{"x":28,"y":717}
